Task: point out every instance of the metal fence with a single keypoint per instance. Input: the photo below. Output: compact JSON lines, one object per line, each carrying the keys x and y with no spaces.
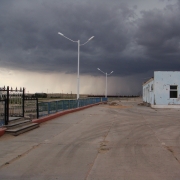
{"x":31,"y":107}
{"x":14,"y":100}
{"x":46,"y":108}
{"x":2,"y":112}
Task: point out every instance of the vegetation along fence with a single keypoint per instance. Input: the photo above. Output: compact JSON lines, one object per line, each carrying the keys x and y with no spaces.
{"x":46,"y":108}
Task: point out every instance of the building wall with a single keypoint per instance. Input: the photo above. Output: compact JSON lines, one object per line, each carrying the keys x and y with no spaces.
{"x":162,"y":82}
{"x":148,"y":93}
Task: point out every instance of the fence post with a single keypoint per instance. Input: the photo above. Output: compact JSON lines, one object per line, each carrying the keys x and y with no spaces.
{"x":56,"y":107}
{"x":63,"y":105}
{"x":23,"y":101}
{"x":37,"y":108}
{"x":5,"y":111}
{"x":7,"y":106}
{"x":48,"y":107}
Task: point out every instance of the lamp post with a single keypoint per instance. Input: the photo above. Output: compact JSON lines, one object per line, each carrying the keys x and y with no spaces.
{"x":78,"y":41}
{"x":106,"y":79}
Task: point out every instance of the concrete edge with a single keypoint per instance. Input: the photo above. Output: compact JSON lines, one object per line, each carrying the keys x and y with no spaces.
{"x":58,"y":114}
{"x":2,"y":131}
{"x":170,"y":106}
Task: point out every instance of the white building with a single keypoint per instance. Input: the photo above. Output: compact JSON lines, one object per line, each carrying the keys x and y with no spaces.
{"x":163,"y":90}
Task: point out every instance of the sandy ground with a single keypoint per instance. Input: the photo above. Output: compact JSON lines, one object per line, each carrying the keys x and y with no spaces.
{"x":117,"y":141}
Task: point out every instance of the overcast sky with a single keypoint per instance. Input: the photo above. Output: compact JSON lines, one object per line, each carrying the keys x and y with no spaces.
{"x":133,"y":38}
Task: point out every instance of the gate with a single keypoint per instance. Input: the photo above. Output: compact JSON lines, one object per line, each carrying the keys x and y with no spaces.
{"x":14,"y":103}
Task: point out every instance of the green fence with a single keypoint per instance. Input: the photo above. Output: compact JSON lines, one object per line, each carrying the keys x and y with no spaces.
{"x":46,"y":108}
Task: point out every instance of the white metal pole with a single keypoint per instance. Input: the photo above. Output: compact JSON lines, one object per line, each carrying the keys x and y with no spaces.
{"x":78,"y":80}
{"x":78,"y":70}
{"x":106,"y":85}
{"x":106,"y":80}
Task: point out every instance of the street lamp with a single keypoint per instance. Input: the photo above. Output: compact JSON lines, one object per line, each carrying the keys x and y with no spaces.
{"x":78,"y":41}
{"x":106,"y":79}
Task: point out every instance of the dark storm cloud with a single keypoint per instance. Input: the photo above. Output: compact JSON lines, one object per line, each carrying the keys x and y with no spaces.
{"x":159,"y":31}
{"x":159,"y":34}
{"x":123,"y":43}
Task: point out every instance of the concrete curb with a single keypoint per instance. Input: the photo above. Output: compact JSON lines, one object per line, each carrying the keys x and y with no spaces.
{"x":2,"y":131}
{"x":58,"y":114}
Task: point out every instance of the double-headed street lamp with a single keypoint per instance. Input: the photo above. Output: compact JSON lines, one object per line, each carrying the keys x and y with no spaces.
{"x":106,"y":79}
{"x":78,"y":41}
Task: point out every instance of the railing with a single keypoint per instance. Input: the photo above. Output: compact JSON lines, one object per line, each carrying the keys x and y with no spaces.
{"x":14,"y":100}
{"x":2,"y":112}
{"x":31,"y":107}
{"x":46,"y":108}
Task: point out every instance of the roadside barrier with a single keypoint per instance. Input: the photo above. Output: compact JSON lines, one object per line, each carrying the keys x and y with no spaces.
{"x":47,"y":108}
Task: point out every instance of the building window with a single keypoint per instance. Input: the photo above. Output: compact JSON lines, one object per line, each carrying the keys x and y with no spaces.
{"x":173,"y":91}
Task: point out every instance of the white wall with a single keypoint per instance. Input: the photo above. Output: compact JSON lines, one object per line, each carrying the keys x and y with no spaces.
{"x":162,"y":82}
{"x":148,"y":93}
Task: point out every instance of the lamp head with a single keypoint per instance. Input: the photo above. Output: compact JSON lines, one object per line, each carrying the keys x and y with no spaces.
{"x":91,"y":38}
{"x":60,"y":34}
{"x":98,"y":69}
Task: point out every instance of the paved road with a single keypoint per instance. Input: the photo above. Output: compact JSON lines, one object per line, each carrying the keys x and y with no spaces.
{"x":125,"y":142}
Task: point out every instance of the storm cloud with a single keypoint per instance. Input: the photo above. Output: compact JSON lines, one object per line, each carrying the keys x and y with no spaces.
{"x":127,"y":41}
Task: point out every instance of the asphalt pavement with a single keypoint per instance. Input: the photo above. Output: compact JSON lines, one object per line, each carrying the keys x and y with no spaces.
{"x":121,"y":141}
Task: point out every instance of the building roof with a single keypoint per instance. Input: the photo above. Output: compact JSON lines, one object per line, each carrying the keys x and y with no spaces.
{"x":148,"y":81}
